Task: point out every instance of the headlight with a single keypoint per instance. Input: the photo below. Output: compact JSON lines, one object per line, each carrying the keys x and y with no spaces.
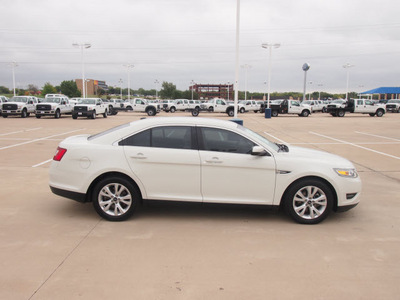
{"x":347,"y":172}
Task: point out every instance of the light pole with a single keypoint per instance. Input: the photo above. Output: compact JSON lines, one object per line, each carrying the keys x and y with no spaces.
{"x":120,"y":81}
{"x":82,"y":46}
{"x":235,"y":106}
{"x":86,"y":82}
{"x":156,"y":82}
{"x":228,"y":90}
{"x":265,"y":90}
{"x":347,"y":67}
{"x":129,"y":67}
{"x":309,"y":94}
{"x":305,"y":68}
{"x":246,"y":67}
{"x":13,"y":66}
{"x":269,"y":46}
{"x":192,"y":83}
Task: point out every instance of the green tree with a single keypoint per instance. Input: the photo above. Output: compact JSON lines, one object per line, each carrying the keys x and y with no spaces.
{"x":48,"y":89}
{"x":4,"y":90}
{"x":70,"y":89}
{"x":168,"y":90}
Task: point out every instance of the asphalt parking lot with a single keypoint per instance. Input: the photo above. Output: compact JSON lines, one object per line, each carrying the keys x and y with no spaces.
{"x":55,"y":248}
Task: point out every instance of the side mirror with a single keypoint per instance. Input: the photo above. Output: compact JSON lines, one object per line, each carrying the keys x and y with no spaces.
{"x":259,"y":151}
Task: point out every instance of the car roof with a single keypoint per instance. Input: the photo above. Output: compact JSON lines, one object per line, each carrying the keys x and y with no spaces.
{"x":122,"y":131}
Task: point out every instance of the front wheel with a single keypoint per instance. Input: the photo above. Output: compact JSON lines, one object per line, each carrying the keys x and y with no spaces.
{"x":115,"y":198}
{"x":57,"y":114}
{"x":308,"y":201}
{"x":93,"y":116}
{"x":242,"y":110}
{"x":274,"y":113}
{"x":340,"y":113}
{"x":172,"y":109}
{"x":379,"y":113}
{"x":38,"y":116}
{"x":105,"y":114}
{"x":372,"y":115}
{"x":230,"y":112}
{"x":24,"y":113}
{"x":195,"y":112}
{"x":151,"y":112}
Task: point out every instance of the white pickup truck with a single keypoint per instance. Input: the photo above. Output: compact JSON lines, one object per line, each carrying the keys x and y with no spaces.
{"x":181,"y":105}
{"x":54,"y":105}
{"x":393,"y":105}
{"x":338,"y":108}
{"x":19,"y":106}
{"x":90,"y":108}
{"x":250,"y":105}
{"x":221,"y":106}
{"x":142,"y":105}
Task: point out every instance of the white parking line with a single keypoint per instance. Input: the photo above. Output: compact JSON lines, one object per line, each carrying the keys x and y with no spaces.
{"x":41,"y":139}
{"x":14,"y":132}
{"x":355,"y":145}
{"x":276,"y":138}
{"x":379,"y":136}
{"x":42,"y":163}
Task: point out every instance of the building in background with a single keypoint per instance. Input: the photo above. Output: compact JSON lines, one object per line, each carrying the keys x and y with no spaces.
{"x":210,"y":91}
{"x":93,"y":87}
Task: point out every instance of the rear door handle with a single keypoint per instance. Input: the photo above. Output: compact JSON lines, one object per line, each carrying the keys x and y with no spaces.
{"x":138,"y":156}
{"x":214,"y":160}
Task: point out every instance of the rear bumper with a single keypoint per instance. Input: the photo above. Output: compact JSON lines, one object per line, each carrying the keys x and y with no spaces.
{"x":68,"y":194}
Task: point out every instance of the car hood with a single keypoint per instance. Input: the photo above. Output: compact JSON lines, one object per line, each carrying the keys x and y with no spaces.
{"x":311,"y":156}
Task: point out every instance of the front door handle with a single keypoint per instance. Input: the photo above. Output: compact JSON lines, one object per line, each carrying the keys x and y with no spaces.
{"x":138,"y":156}
{"x":214,"y":160}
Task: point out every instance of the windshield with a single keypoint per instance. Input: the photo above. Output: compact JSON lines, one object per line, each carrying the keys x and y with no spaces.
{"x":394,"y":101}
{"x":53,"y":100}
{"x":259,"y":137}
{"x":339,"y":101}
{"x":87,"y":101}
{"x":19,"y":99}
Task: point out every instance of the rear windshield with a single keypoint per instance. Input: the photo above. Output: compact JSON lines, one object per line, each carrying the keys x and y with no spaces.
{"x":97,"y":135}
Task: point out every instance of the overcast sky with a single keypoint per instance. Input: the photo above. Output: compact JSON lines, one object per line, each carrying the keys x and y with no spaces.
{"x":183,"y":40}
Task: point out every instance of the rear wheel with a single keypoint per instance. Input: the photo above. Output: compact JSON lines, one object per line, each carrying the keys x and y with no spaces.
{"x":230,"y":112}
{"x":371,"y":115}
{"x":172,"y":109}
{"x":151,"y":112}
{"x":115,"y":198}
{"x":308,"y":201}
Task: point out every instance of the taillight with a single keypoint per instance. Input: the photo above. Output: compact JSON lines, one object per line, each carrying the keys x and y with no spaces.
{"x":59,"y":154}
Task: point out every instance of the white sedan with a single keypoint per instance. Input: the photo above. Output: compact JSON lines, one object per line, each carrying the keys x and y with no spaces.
{"x":200,"y":160}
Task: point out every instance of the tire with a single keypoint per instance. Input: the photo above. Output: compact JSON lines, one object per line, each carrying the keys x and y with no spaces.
{"x":372,"y":115}
{"x":115,"y":198}
{"x":129,"y":108}
{"x":57,"y":114}
{"x":242,"y":110}
{"x":172,"y":109}
{"x":74,"y":117}
{"x":24,"y":113}
{"x":274,"y":113}
{"x":4,"y":116}
{"x":308,"y":201}
{"x":379,"y":113}
{"x":230,"y":112}
{"x":151,"y":112}
{"x":340,"y":113}
{"x":211,"y":109}
{"x":305,"y":113}
{"x":105,"y":114}
{"x":93,"y":116}
{"x":38,"y":116}
{"x":324,"y":110}
{"x":195,"y":112}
